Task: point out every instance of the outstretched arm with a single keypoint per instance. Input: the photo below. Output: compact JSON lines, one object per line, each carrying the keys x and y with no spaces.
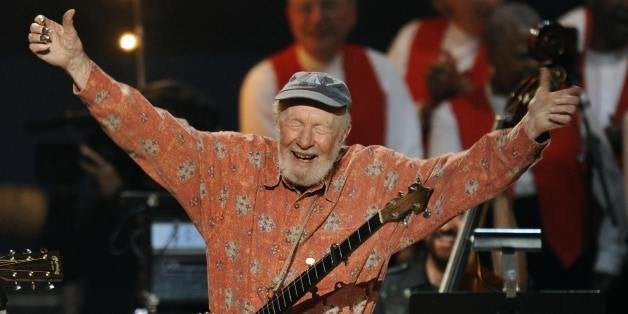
{"x":60,"y":45}
{"x":166,"y":149}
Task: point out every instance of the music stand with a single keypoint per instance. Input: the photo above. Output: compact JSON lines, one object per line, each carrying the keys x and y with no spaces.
{"x":544,"y":302}
{"x":508,"y":241}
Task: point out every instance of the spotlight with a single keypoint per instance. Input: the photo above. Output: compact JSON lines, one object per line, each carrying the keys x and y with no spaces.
{"x":128,"y":41}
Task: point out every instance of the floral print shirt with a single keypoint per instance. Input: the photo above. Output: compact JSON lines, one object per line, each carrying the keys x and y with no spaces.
{"x":230,"y":186}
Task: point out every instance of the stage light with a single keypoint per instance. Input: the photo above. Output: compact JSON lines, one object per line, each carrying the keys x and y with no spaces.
{"x":128,"y":41}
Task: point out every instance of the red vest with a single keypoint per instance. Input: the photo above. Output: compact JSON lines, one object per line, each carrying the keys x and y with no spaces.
{"x":559,"y":176}
{"x":425,"y":49}
{"x":368,"y":108}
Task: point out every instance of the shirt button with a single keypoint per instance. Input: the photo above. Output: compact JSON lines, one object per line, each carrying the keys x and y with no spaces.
{"x":296,"y":205}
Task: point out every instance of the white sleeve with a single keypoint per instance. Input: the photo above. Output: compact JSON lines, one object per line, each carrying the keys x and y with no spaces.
{"x":444,"y":135}
{"x":399,"y":50}
{"x":403,"y":132}
{"x":257,"y":95}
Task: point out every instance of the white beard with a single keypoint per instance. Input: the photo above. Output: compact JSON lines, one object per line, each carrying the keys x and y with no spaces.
{"x":311,"y":176}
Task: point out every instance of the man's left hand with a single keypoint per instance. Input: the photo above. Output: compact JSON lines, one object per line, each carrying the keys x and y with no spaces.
{"x":550,"y":110}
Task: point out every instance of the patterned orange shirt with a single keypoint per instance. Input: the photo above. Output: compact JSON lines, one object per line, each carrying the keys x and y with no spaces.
{"x":231,"y":188}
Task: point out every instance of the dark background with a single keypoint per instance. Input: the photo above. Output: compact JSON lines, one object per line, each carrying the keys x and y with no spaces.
{"x":209,"y":44}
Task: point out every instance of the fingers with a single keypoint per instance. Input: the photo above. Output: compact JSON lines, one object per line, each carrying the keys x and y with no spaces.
{"x":572,"y":90}
{"x":39,"y":32}
{"x":68,"y":18}
{"x":566,"y":100}
{"x":36,"y":28}
{"x":39,"y":47}
{"x":563,"y":109}
{"x":40,"y":19}
{"x":38,"y":42}
{"x":560,"y":119}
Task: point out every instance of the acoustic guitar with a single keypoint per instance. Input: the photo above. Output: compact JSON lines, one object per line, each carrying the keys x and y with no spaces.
{"x":396,"y":210}
{"x":31,"y":267}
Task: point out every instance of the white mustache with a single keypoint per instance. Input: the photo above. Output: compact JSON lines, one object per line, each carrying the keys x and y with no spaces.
{"x":302,"y":152}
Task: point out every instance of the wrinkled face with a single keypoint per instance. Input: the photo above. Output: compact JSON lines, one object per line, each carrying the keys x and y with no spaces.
{"x":441,"y":242}
{"x":510,"y":61}
{"x":321,"y":26}
{"x":310,"y":138}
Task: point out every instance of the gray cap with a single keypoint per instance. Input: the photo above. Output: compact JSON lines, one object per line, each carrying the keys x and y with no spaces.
{"x":317,"y":86}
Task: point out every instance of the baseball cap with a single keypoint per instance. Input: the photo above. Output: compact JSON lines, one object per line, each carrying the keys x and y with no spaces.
{"x":317,"y":86}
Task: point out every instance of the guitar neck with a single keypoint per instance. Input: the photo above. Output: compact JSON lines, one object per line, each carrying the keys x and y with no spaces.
{"x":338,"y":253}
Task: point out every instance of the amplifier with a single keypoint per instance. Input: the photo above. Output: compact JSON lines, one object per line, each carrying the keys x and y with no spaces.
{"x":176,"y":271}
{"x":179,"y":279}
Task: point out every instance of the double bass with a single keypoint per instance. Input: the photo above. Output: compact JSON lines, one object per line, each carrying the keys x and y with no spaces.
{"x":554,"y":47}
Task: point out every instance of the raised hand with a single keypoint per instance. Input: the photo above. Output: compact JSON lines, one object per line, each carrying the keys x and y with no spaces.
{"x":59,"y":45}
{"x":550,"y":110}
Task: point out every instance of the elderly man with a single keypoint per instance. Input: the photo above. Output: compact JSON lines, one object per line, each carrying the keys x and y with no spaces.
{"x":383,"y":111}
{"x":269,"y":208}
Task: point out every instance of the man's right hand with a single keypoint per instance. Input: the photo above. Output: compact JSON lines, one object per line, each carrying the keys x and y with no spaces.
{"x":62,"y":47}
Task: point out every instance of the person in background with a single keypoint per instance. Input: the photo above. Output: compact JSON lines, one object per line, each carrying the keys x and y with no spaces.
{"x":419,"y":267}
{"x":382,"y":112}
{"x":443,"y":56}
{"x":603,"y":44}
{"x":555,"y":194}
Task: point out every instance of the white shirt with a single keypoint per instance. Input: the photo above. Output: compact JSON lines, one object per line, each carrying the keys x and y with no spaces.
{"x":604,"y":73}
{"x":456,"y":42}
{"x":259,"y":88}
